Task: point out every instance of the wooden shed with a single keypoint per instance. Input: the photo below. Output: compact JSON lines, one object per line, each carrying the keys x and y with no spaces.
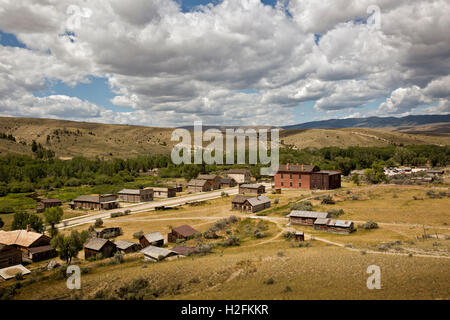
{"x":306,"y":218}
{"x":299,"y":236}
{"x":127,"y":246}
{"x":227,"y":183}
{"x":255,"y":204}
{"x":169,"y":192}
{"x":196,"y":185}
{"x":9,"y":256}
{"x":152,"y":239}
{"x":340,"y":226}
{"x":247,"y":188}
{"x":96,"y":246}
{"x":35,"y":246}
{"x":183,"y":232}
{"x":154,"y":254}
{"x":47,"y":203}
{"x":214,"y":180}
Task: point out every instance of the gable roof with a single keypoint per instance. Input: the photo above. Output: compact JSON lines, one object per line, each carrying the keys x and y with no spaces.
{"x":185,"y":230}
{"x":21,"y":238}
{"x":41,"y":249}
{"x":130,"y":191}
{"x":238,"y":171}
{"x":308,"y":214}
{"x":321,"y":221}
{"x":87,"y":198}
{"x":340,"y":223}
{"x":240,"y":199}
{"x":254,"y":201}
{"x":197,"y":183}
{"x":207,"y":176}
{"x":297,"y":168}
{"x":153,"y":237}
{"x":123,"y":245}
{"x":184,"y":251}
{"x":96,"y":244}
{"x":226,"y":180}
{"x":157,"y":252}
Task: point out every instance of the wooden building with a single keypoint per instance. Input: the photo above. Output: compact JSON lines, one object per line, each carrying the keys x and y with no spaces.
{"x":184,"y":251}
{"x":169,"y":192}
{"x":196,"y":185}
{"x":340,"y":226}
{"x":306,"y":218}
{"x":299,"y":236}
{"x":109,"y":233}
{"x":214,"y":180}
{"x":96,"y":246}
{"x":238,"y":202}
{"x":126,"y":247}
{"x":154,"y":254}
{"x":227,"y":183}
{"x":255,"y":204}
{"x":35,"y":246}
{"x":9,"y":256}
{"x":155,"y":239}
{"x":47,"y":203}
{"x":240,"y":175}
{"x":252,"y":189}
{"x":321,"y":224}
{"x":306,"y":177}
{"x":95,"y":202}
{"x":136,"y":195}
{"x":183,"y":232}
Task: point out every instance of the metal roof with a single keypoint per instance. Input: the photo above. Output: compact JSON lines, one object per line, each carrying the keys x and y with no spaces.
{"x":10,"y":272}
{"x":21,"y":238}
{"x":308,"y":214}
{"x":123,"y":245}
{"x":184,"y":251}
{"x":157,"y":253}
{"x":185,"y":230}
{"x":321,"y":221}
{"x":153,"y":237}
{"x":340,"y":223}
{"x":96,"y":244}
{"x":258,"y":200}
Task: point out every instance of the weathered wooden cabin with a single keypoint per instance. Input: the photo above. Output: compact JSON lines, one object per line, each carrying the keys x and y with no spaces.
{"x":340,"y":226}
{"x":154,"y":254}
{"x":136,"y":195}
{"x":109,"y":233}
{"x":251,"y":188}
{"x":306,"y":218}
{"x":321,"y":224}
{"x":9,"y":256}
{"x":95,"y":202}
{"x":240,"y":175}
{"x":155,"y":239}
{"x":169,"y":192}
{"x":47,"y":203}
{"x":299,"y":236}
{"x":126,"y":247}
{"x":238,"y":202}
{"x":196,"y":185}
{"x":183,"y":232}
{"x":35,"y":246}
{"x":227,"y":183}
{"x":96,"y":246}
{"x":214,"y":180}
{"x":255,"y":204}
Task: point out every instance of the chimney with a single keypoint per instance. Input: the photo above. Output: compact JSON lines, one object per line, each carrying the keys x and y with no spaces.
{"x":28,"y":228}
{"x":303,"y":167}
{"x":287,"y":166}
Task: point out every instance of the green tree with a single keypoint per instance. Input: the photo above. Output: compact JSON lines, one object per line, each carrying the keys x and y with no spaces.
{"x":69,"y":247}
{"x":22,"y":219}
{"x":98,"y":223}
{"x":376,"y":173}
{"x":355,"y":179}
{"x":52,"y":217}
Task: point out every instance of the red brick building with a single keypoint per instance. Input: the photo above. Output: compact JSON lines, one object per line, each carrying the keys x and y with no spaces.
{"x":306,"y":177}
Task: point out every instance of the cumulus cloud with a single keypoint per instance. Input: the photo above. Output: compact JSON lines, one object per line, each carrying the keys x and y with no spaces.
{"x":235,"y":62}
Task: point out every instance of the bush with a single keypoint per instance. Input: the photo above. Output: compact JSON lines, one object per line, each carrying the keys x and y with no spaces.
{"x":304,"y":206}
{"x":269,"y":281}
{"x":98,"y":223}
{"x":369,"y":225}
{"x":335,"y":212}
{"x":118,"y":214}
{"x":231,"y":241}
{"x":275,"y":201}
{"x":19,"y":276}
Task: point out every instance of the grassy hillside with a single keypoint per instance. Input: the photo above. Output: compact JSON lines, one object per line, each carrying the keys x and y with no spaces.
{"x":69,"y":139}
{"x":319,"y":138}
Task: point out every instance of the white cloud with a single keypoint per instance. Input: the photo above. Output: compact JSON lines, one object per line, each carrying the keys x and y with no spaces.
{"x":173,"y":67}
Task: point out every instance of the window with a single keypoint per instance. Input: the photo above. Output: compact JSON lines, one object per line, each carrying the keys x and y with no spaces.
{"x":290,"y":184}
{"x":300,"y":184}
{"x":282,"y":176}
{"x":290,"y":176}
{"x":282,"y":184}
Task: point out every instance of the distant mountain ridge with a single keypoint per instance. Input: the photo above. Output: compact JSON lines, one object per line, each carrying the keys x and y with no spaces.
{"x":372,"y":122}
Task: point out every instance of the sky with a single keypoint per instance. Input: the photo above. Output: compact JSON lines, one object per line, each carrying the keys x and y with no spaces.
{"x":224,"y":62}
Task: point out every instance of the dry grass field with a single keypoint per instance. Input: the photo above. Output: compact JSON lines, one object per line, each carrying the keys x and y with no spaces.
{"x":326,"y":266}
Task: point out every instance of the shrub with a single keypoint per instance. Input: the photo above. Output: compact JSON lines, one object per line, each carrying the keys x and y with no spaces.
{"x":98,"y":223}
{"x":395,"y":196}
{"x":118,"y":214}
{"x":369,"y":225}
{"x":275,"y":201}
{"x":269,"y":281}
{"x":304,"y":206}
{"x":335,"y":212}
{"x":231,"y":241}
{"x":19,"y":276}
{"x":287,"y":289}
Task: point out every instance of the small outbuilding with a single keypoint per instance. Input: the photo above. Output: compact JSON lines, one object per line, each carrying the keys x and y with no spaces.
{"x":247,"y":188}
{"x":47,"y":203}
{"x":127,"y":246}
{"x":196,"y":185}
{"x":96,"y":246}
{"x":154,"y":254}
{"x":227,"y":183}
{"x":155,"y":239}
{"x":299,"y":236}
{"x":255,"y":204}
{"x":183,"y":232}
{"x":340,"y":226}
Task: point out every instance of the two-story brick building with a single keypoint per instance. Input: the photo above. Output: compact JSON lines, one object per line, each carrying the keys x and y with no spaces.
{"x":306,"y":177}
